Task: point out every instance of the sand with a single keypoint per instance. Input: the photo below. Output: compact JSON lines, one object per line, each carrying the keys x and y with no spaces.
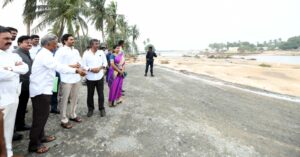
{"x":278,"y":78}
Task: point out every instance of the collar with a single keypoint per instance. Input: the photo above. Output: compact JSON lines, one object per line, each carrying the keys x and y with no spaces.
{"x":36,"y":45}
{"x":91,"y":52}
{"x":46,"y":50}
{"x":19,"y":49}
{"x":1,"y":51}
{"x":67,"y":47}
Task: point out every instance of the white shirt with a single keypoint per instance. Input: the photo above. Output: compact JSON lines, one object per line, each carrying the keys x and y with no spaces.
{"x":43,"y":73}
{"x":10,"y":80}
{"x":12,"y":47}
{"x":68,"y":56}
{"x":34,"y":50}
{"x":93,"y":60}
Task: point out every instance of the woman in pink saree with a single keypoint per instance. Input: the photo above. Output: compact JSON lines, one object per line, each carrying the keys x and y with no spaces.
{"x":116,"y":76}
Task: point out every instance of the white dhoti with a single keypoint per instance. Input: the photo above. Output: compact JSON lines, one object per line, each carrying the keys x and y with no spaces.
{"x":9,"y":123}
{"x":9,"y":102}
{"x":9,"y":93}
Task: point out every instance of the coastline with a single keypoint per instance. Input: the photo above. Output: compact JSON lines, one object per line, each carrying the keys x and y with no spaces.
{"x":273,"y":77}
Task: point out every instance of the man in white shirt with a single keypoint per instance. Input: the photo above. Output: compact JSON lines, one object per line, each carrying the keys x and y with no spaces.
{"x":94,"y":61}
{"x":11,"y":66}
{"x":14,"y":33}
{"x":41,"y":86}
{"x":35,"y":39}
{"x":70,"y":83}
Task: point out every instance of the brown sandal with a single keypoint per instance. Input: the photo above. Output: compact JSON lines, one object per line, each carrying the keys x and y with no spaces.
{"x":77,"y":119}
{"x":40,"y":150}
{"x":111,"y":105}
{"x":47,"y":139}
{"x":66,"y":125}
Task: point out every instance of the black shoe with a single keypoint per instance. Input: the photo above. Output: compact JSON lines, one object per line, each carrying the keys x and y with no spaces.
{"x":123,"y":94}
{"x":123,"y":91}
{"x":102,"y":113}
{"x":17,"y":137}
{"x":90,"y":113}
{"x":152,"y":75}
{"x":55,"y":111}
{"x":23,"y":128}
{"x":145,"y":75}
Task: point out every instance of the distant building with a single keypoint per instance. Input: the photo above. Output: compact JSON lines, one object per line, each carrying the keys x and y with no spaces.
{"x":232,"y":50}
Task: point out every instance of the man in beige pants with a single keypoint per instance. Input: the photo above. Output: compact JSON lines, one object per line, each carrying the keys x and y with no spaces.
{"x":70,"y":83}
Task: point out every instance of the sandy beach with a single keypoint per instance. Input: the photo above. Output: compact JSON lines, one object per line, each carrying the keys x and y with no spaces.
{"x":274,"y":77}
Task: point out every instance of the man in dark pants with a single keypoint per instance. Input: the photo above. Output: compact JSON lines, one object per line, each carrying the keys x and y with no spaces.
{"x":94,"y":61}
{"x":24,"y":43}
{"x":150,"y":60}
{"x":41,"y":85}
{"x":54,"y":101}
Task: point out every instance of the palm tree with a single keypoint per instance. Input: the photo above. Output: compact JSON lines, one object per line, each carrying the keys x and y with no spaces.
{"x":6,"y":2}
{"x":98,"y":15}
{"x":122,"y":26}
{"x":28,"y":13}
{"x":67,"y":14}
{"x":111,"y":22}
{"x":135,"y":35}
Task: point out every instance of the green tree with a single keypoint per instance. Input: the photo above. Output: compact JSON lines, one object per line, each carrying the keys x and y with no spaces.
{"x":29,"y":13}
{"x":135,"y":35}
{"x":67,"y":14}
{"x":111,"y":23}
{"x":124,"y":32}
{"x":291,"y":43}
{"x":217,"y":46}
{"x":82,"y":42}
{"x":123,"y":27}
{"x":98,"y":15}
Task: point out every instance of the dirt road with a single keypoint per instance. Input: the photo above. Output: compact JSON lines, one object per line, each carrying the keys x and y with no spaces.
{"x":177,"y":115}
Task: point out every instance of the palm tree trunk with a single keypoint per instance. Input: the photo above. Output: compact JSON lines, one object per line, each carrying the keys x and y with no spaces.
{"x":28,"y":28}
{"x":103,"y":36}
{"x":62,"y":26}
{"x":80,"y":43}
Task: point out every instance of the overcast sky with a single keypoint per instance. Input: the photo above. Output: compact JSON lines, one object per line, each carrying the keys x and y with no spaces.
{"x":193,"y":24}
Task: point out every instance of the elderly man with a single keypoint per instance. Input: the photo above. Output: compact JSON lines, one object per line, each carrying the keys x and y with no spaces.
{"x":24,"y":43}
{"x":11,"y":66}
{"x":41,"y":85}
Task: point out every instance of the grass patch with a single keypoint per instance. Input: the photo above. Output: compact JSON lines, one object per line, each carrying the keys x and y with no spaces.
{"x":265,"y":65}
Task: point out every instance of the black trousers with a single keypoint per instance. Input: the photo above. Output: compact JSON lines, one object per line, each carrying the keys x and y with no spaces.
{"x":21,"y":111}
{"x":149,"y":63}
{"x":91,"y":85}
{"x":40,"y":114}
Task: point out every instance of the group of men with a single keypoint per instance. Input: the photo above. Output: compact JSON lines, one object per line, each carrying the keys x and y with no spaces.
{"x":28,"y":70}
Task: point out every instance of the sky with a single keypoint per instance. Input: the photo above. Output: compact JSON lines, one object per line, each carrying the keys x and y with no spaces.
{"x":193,"y":24}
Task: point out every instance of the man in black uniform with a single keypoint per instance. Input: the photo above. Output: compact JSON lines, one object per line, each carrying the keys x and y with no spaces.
{"x":150,"y":60}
